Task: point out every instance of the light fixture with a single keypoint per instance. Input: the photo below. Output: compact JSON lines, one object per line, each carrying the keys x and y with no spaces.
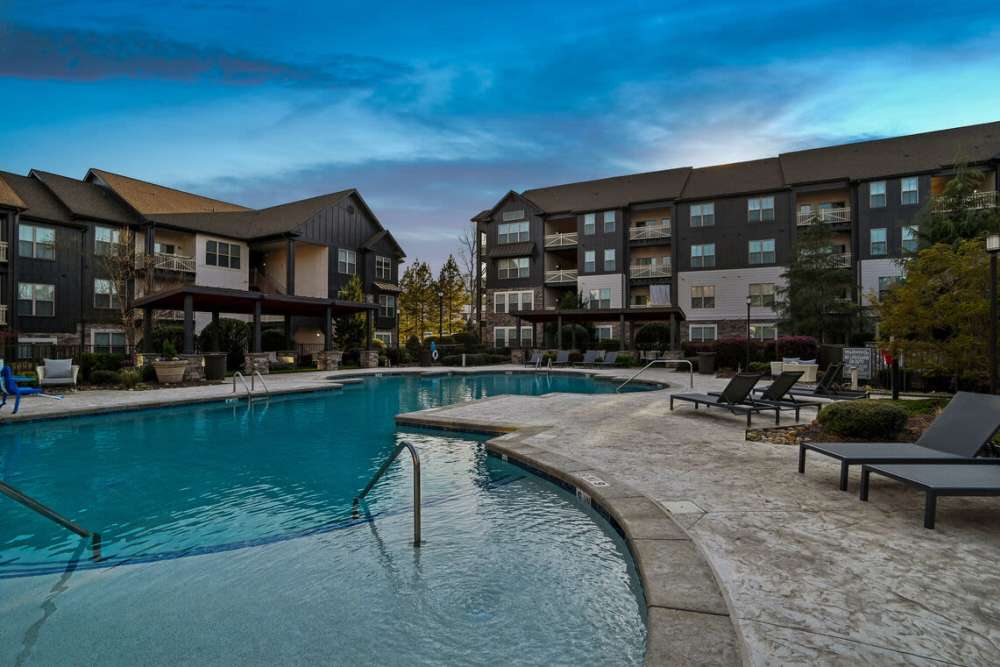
{"x":749,"y":300}
{"x":993,"y":243}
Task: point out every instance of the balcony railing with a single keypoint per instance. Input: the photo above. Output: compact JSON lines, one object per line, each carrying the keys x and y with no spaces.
{"x":561,"y":276}
{"x":975,"y":201}
{"x":3,"y":251}
{"x":648,"y":232}
{"x":3,"y":314}
{"x":167,"y":262}
{"x":640,"y":271}
{"x":561,"y":240}
{"x":831,"y":216}
{"x":649,"y":305}
{"x":843,"y":259}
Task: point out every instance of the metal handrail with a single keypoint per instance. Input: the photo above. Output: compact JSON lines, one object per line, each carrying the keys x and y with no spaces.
{"x":256,"y":374}
{"x":32,"y":504}
{"x":416,"y":486}
{"x":243,"y":381}
{"x":661,"y":361}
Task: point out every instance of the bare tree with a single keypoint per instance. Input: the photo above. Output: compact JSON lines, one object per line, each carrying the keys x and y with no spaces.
{"x":468,"y":260}
{"x":121,"y":267}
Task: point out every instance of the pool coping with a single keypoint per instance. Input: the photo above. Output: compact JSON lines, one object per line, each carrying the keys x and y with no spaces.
{"x":688,"y":616}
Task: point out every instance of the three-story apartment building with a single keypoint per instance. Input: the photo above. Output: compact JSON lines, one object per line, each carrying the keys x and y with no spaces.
{"x":708,"y":240}
{"x":54,"y":230}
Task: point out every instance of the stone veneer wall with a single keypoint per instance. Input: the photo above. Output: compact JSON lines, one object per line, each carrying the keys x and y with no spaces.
{"x":503,"y":319}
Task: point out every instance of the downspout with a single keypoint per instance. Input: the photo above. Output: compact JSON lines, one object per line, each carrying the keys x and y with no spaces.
{"x":83,"y":286}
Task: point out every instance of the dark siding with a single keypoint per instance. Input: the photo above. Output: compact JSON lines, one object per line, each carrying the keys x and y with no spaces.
{"x":894,"y":216}
{"x":64,"y":272}
{"x":600,"y":241}
{"x":93,"y":267}
{"x":343,"y":225}
{"x":536,"y":271}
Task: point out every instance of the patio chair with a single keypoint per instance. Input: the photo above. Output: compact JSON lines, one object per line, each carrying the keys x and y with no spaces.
{"x":735,"y":398}
{"x":590,"y":358}
{"x":57,"y":373}
{"x":777,"y":394}
{"x":9,"y":387}
{"x":829,"y":387}
{"x":562,"y":358}
{"x":609,"y":359}
{"x":536,"y":359}
{"x":963,"y":428}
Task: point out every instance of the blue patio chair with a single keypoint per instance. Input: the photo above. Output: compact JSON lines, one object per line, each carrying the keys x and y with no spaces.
{"x":9,"y":387}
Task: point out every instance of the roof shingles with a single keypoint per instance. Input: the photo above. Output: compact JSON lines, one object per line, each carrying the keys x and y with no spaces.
{"x":150,"y":198}
{"x":615,"y":192}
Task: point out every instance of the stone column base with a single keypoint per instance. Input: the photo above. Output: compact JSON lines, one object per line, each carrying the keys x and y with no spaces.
{"x":328,"y":360}
{"x":517,"y":356}
{"x":257,"y":361}
{"x":195,"y":371}
{"x":369,"y":358}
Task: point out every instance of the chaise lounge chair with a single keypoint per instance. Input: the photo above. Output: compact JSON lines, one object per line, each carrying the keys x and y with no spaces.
{"x":562,"y":358}
{"x":733,"y":398}
{"x":609,"y":359}
{"x":963,"y":428}
{"x":828,"y":386}
{"x":590,"y":358}
{"x":9,"y":387}
{"x":778,"y":394}
{"x":536,"y":359}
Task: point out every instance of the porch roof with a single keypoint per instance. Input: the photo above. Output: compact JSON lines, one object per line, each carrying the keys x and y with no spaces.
{"x":224,"y":300}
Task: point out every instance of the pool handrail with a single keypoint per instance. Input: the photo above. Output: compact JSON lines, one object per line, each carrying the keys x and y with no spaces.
{"x":32,"y":504}
{"x":416,"y":486}
{"x":256,"y":374}
{"x":661,"y":361}
{"x":243,"y":381}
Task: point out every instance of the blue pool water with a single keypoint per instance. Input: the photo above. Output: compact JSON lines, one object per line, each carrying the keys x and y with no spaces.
{"x":229,"y":538}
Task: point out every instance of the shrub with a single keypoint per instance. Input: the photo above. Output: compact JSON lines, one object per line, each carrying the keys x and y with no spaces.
{"x":148,"y":373}
{"x":169,"y":349}
{"x":105,"y":377}
{"x":803,"y":347}
{"x":484,"y":359}
{"x":624,"y":360}
{"x":168,"y":332}
{"x":609,"y":344}
{"x":233,"y":337}
{"x":760,"y":367}
{"x":864,"y":419}
{"x":413,"y":348}
{"x":272,"y":340}
{"x":130,"y":377}
{"x":99,"y":361}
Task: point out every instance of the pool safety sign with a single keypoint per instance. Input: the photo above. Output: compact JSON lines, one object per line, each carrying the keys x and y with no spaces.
{"x":861,"y":358}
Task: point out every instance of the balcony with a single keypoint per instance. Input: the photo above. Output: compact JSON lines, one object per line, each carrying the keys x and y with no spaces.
{"x":561,"y":240}
{"x":649,"y":232}
{"x":974,"y":202}
{"x":166,"y":262}
{"x":648,"y":305}
{"x":3,"y":251}
{"x":831,"y":216}
{"x":561,"y":277}
{"x":645,"y":271}
{"x":842,"y":259}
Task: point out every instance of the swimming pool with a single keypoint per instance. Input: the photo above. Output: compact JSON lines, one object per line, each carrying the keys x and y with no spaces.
{"x":229,"y":538}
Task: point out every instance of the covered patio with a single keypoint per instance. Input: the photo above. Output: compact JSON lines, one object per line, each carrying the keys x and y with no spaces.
{"x":668,"y":314}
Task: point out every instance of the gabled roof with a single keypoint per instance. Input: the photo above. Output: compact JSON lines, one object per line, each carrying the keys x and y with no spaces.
{"x":8,"y":197}
{"x":86,"y":200}
{"x":911,"y":154}
{"x":615,"y":192}
{"x":150,"y":198}
{"x":736,"y":178}
{"x":39,"y":201}
{"x":378,"y":236}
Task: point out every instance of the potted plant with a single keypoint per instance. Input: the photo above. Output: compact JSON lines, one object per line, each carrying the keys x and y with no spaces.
{"x":169,"y":369}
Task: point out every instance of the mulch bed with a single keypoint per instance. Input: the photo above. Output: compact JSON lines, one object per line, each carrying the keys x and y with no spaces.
{"x":813,"y":432}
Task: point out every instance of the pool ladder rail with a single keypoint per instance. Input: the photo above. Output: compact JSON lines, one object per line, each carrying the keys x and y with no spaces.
{"x":50,"y":514}
{"x":661,"y":361}
{"x":416,"y":486}
{"x":252,"y":387}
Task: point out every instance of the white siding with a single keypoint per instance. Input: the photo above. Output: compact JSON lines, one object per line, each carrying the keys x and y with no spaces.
{"x":614,"y":281}
{"x":731,"y":289}
{"x":214,"y":276}
{"x":871,"y":271}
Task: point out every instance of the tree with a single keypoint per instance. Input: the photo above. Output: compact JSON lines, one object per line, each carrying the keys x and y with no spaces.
{"x":118,"y":263}
{"x":417,"y":300}
{"x":451,"y":285}
{"x":351,"y":330}
{"x":467,"y":261}
{"x":816,"y":299}
{"x":939,"y":315}
{"x":960,"y":212}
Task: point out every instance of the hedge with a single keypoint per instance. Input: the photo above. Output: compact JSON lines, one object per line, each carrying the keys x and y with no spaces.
{"x":731,"y":351}
{"x":474,"y":359}
{"x":105,"y":377}
{"x":879,"y":420}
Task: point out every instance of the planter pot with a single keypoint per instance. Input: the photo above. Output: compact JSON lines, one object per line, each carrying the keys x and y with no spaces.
{"x":170,"y":372}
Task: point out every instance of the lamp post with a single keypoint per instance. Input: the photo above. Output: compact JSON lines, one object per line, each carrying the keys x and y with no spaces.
{"x":440,"y":313}
{"x":749,"y":301}
{"x":993,"y":247}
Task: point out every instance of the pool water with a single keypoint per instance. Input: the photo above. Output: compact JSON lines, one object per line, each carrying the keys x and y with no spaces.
{"x":228,"y":538}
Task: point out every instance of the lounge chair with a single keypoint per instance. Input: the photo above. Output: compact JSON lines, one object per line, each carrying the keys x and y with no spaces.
{"x":976,"y":478}
{"x":9,"y":387}
{"x":735,"y":398}
{"x":778,"y":394}
{"x":562,"y":358}
{"x":963,"y":428}
{"x":829,"y":386}
{"x":57,"y":373}
{"x":609,"y":359}
{"x":536,"y":359}
{"x":590,"y":357}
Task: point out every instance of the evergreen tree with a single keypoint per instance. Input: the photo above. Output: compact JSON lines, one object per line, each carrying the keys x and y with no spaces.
{"x":451,"y":284}
{"x":960,"y":212}
{"x":816,"y":300}
{"x":351,"y":329}
{"x":418,"y":300}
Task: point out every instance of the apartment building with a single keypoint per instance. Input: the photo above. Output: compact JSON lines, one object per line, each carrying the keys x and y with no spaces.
{"x":54,"y":288}
{"x":707,"y":240}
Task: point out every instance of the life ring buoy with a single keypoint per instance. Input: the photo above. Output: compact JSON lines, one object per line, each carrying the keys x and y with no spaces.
{"x":434,"y":355}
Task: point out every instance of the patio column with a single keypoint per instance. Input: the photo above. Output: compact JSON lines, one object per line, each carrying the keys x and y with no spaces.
{"x":147,"y":329}
{"x":328,"y":330}
{"x":289,"y":343}
{"x":188,"y":324}
{"x":215,"y":331}
{"x":621,"y":331}
{"x":256,"y":326}
{"x":517,"y":321}
{"x":290,"y":267}
{"x":368,"y":329}
{"x":559,"y":332}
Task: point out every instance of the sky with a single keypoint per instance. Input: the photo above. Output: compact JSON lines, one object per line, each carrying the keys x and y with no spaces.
{"x":435,"y":110}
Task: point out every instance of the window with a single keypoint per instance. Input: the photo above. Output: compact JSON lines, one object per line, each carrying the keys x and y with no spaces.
{"x":347,"y":261}
{"x":910,"y":191}
{"x":589,"y":261}
{"x":640,"y":299}
{"x":387,"y":306}
{"x":703,"y":296}
{"x":703,"y":256}
{"x":513,"y":215}
{"x":224,"y":255}
{"x":515,"y":267}
{"x":383,"y":268}
{"x":910,"y":239}
{"x":609,"y":259}
{"x":36,"y":299}
{"x":762,"y":295}
{"x":700,"y":333}
{"x":609,"y":222}
{"x":600,"y":298}
{"x":385,"y":337}
{"x":760,"y":209}
{"x":876,"y":194}
{"x":109,"y":342}
{"x":507,"y":336}
{"x":763,"y":332}
{"x":105,"y":294}
{"x":605,"y":331}
{"x":37,"y":242}
{"x":164,"y":248}
{"x":703,"y":215}
{"x":508,"y":302}
{"x":878,"y":247}
{"x":105,"y":240}
{"x":761,"y":252}
{"x":589,"y":223}
{"x":885,"y":283}
{"x":513,"y":232}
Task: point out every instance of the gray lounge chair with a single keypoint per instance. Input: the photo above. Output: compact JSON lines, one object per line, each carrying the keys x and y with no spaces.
{"x":562,"y":358}
{"x":963,"y":428}
{"x":536,"y":359}
{"x":828,"y":386}
{"x":777,"y":394}
{"x":609,"y":359}
{"x":590,"y":357}
{"x":733,"y":398}
{"x":971,"y":479}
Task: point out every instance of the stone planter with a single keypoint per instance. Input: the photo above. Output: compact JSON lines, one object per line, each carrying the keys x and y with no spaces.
{"x":170,"y":372}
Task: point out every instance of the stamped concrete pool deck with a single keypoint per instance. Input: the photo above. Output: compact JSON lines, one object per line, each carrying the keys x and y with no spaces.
{"x":808,"y":574}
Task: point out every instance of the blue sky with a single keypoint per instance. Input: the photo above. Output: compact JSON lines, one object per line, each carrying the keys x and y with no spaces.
{"x":435,"y":110}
